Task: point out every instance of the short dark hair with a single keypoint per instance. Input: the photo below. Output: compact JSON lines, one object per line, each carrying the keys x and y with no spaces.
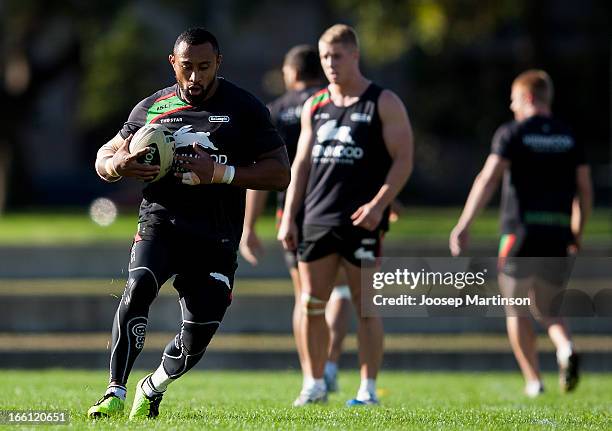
{"x":197,"y":36}
{"x":305,"y":60}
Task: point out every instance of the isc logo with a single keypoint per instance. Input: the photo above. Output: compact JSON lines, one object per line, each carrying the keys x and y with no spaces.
{"x":139,"y":330}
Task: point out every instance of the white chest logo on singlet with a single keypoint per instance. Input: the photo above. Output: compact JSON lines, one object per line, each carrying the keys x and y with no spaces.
{"x":185,"y":136}
{"x":329,"y":132}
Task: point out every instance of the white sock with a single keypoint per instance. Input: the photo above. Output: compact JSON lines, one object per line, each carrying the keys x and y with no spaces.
{"x":533,"y":388}
{"x":159,"y":381}
{"x":367,"y":390}
{"x":117,"y":390}
{"x":331,"y":368}
{"x":564,"y":352}
{"x":311,"y":383}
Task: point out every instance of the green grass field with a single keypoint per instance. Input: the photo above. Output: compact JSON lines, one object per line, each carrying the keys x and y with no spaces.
{"x":435,"y":224}
{"x":261,"y":400}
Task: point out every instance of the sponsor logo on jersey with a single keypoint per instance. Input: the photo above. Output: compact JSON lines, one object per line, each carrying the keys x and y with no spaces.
{"x":171,"y":120}
{"x":548,"y":143}
{"x":336,"y":153}
{"x":321,"y":116}
{"x":368,"y":241}
{"x":219,"y":119}
{"x":360,"y":117}
{"x":366,"y":115}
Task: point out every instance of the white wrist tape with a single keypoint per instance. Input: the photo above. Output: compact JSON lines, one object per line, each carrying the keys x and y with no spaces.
{"x":228,"y":175}
{"x":109,"y":167}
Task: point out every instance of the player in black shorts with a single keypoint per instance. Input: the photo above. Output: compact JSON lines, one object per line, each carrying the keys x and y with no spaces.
{"x":190,"y":223}
{"x":546,"y":200}
{"x":354,"y":156}
{"x":303,"y":77}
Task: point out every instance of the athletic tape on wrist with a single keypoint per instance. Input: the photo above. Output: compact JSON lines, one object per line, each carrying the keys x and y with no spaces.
{"x":109,"y":166}
{"x":228,"y":175}
{"x":219,"y":171}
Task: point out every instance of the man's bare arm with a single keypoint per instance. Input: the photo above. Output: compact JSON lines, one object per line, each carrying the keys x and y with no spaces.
{"x":250,"y":245}
{"x":300,"y":170}
{"x":255,"y":203}
{"x":583,"y":205}
{"x":271,"y":170}
{"x":399,"y":141}
{"x":114,"y":161}
{"x":485,"y":185}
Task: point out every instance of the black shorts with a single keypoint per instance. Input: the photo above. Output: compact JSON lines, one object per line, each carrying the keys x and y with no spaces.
{"x":355,"y":244}
{"x":522,"y":255}
{"x":171,"y":245}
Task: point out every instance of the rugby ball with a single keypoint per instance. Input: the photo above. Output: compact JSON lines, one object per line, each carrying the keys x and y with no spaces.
{"x":161,"y":143}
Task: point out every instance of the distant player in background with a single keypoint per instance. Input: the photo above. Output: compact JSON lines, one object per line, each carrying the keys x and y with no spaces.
{"x":546,"y":201}
{"x":303,"y":77}
{"x":354,"y":156}
{"x":189,"y":223}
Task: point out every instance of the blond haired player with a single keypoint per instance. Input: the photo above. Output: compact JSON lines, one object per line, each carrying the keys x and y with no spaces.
{"x":354,"y":156}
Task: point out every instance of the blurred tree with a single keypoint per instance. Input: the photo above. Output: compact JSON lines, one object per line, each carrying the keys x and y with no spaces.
{"x":389,"y":28}
{"x":451,"y":61}
{"x":26,"y":69}
{"x":118,"y":60}
{"x":457,"y":60}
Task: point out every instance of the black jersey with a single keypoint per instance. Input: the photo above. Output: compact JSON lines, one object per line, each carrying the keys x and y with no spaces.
{"x":349,"y":159}
{"x":233,"y":127}
{"x":286,"y":114}
{"x":540,"y":185}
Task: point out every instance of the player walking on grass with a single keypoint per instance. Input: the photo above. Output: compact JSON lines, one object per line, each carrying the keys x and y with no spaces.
{"x":354,"y":156}
{"x":546,"y":201}
{"x":302,"y":75}
{"x":190,"y":223}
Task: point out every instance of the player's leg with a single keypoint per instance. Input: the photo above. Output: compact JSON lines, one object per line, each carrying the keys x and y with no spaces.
{"x":148,"y":270}
{"x":298,"y":312}
{"x":521,"y":333}
{"x":370,"y":337}
{"x":516,"y":280}
{"x":204,"y":298}
{"x":337,"y":315}
{"x":545,"y":293}
{"x":567,"y":358}
{"x":523,"y":341}
{"x":360,"y":254}
{"x":316,"y":279}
